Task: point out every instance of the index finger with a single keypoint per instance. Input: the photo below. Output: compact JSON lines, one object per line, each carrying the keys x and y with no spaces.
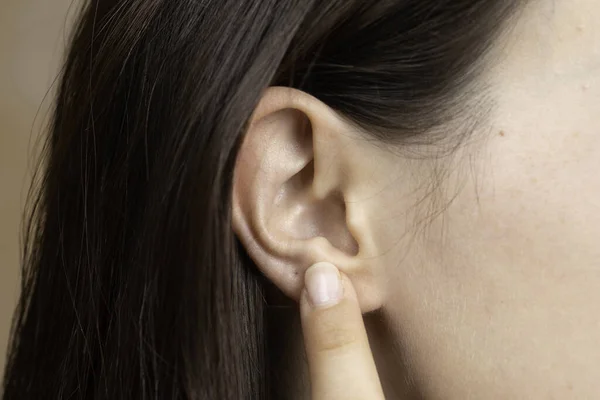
{"x":340,"y":360}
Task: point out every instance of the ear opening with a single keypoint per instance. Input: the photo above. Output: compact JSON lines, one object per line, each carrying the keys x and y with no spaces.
{"x":303,"y":215}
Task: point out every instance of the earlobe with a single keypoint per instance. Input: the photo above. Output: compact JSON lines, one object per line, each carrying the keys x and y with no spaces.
{"x":289,"y":205}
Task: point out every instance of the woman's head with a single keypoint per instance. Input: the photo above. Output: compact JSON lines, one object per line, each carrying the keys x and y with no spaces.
{"x":203,"y":154}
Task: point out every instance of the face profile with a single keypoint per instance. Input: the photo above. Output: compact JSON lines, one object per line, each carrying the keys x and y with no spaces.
{"x":300,"y":199}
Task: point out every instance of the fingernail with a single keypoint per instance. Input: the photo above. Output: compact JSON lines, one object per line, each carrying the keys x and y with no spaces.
{"x":323,"y":285}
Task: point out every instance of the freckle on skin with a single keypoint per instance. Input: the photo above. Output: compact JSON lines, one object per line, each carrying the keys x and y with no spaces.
{"x":501,"y":133}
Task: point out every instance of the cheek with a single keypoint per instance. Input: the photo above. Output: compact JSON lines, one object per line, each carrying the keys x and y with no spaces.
{"x":538,"y":208}
{"x":539,"y":192}
{"x":506,"y":283}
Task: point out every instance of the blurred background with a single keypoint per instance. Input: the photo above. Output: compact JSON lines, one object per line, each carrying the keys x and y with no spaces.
{"x":32,"y":40}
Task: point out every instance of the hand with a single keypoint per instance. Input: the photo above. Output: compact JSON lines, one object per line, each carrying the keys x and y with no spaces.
{"x":340,"y":360}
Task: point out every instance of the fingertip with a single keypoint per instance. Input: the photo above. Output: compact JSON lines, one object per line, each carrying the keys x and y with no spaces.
{"x":335,"y":338}
{"x":323,"y":285}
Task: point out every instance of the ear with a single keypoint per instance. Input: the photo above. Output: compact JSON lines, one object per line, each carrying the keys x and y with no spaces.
{"x":290,"y":195}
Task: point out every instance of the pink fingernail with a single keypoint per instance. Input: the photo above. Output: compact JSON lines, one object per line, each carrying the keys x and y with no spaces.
{"x":323,"y":284}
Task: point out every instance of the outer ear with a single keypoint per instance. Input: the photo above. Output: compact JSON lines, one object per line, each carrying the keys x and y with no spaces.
{"x":290,"y":206}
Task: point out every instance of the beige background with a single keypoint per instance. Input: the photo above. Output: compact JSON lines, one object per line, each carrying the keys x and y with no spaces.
{"x":32,"y":39}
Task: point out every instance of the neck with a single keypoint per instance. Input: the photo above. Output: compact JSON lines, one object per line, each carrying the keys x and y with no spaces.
{"x":289,"y":367}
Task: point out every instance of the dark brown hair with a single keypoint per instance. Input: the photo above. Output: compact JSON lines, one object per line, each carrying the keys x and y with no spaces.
{"x":134,"y":285}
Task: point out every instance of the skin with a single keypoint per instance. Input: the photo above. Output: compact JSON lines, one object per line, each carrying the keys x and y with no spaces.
{"x":337,"y":348}
{"x":486,"y":285}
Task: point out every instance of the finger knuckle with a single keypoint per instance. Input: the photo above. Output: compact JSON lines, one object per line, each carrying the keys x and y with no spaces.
{"x":337,"y":339}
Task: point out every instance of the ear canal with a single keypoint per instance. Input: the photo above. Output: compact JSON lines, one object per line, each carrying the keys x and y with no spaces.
{"x":308,"y":216}
{"x":331,"y":217}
